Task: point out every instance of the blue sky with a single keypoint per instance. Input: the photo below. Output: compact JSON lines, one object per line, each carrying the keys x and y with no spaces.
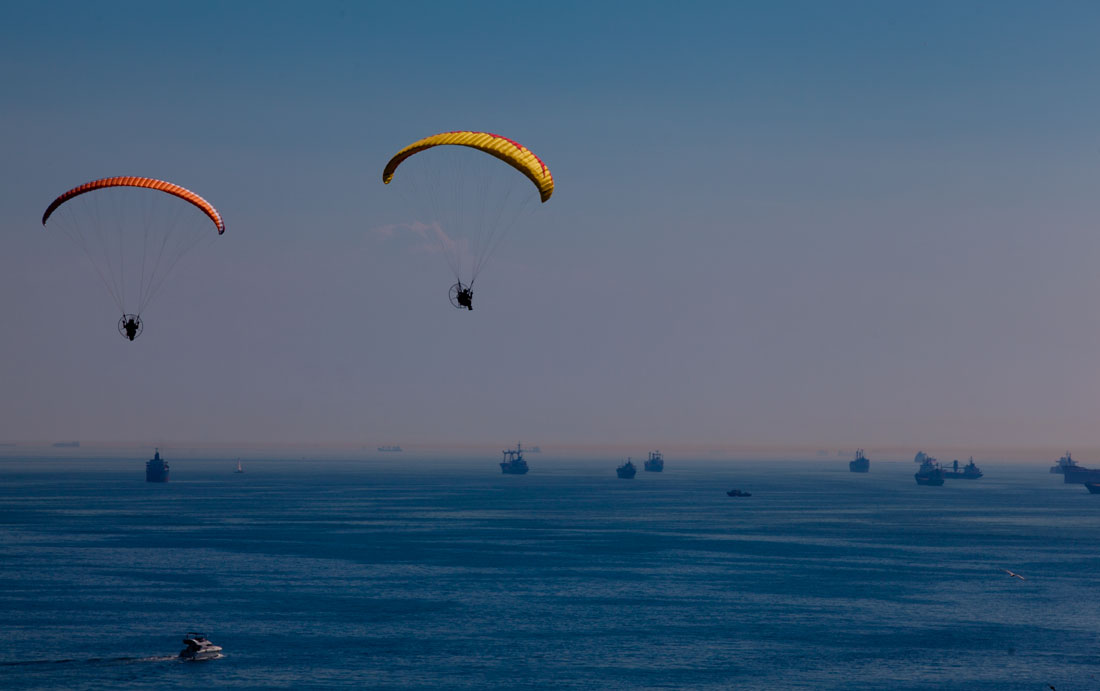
{"x":790,"y":224}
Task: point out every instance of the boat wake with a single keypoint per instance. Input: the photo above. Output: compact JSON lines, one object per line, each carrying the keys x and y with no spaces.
{"x":88,"y":661}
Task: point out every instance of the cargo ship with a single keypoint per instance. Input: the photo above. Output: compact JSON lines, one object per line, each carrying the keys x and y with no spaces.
{"x":655,"y":463}
{"x":969,"y":472}
{"x":390,"y":449}
{"x":513,"y":463}
{"x":859,"y":464}
{"x":627,"y":470}
{"x":156,"y":468}
{"x":930,"y":473}
{"x":1076,"y":475}
{"x":1063,"y":463}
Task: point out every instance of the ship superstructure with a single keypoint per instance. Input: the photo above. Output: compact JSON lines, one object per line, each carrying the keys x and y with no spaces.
{"x":512,"y":462}
{"x":1063,"y":463}
{"x":156,"y":468}
{"x":655,"y":463}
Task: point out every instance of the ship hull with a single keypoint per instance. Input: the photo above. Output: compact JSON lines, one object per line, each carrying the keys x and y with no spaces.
{"x":1076,"y":475}
{"x":932,"y":479}
{"x":858,"y":467}
{"x":654,"y":468}
{"x":1093,"y":487}
{"x":156,"y":475}
{"x":513,"y":469}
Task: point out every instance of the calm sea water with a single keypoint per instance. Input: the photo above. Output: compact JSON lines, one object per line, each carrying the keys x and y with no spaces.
{"x":419,"y":574}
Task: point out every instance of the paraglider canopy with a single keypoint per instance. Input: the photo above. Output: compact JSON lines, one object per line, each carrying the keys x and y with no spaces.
{"x":133,"y":238}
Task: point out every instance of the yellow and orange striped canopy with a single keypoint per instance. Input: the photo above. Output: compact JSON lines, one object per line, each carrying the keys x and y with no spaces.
{"x":513,"y":153}
{"x":148,"y":183}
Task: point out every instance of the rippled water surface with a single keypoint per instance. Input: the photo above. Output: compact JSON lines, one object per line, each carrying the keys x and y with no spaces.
{"x":429,"y":574}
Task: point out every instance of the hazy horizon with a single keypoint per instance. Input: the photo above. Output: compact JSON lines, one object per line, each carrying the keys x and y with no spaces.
{"x":490,"y":452}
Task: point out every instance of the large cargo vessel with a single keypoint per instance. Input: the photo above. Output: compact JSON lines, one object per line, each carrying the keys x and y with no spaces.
{"x":860,"y":464}
{"x":930,"y":472}
{"x":655,"y":463}
{"x":968,"y":472}
{"x":627,"y":470}
{"x":513,"y":463}
{"x":156,"y":469}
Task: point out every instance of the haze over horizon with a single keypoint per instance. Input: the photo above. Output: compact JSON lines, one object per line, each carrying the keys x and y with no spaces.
{"x":788,"y":225}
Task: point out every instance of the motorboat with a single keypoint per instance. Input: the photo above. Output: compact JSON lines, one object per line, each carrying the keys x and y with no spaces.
{"x":199,"y":648}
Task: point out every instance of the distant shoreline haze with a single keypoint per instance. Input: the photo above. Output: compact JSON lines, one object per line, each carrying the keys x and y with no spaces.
{"x":548,"y":451}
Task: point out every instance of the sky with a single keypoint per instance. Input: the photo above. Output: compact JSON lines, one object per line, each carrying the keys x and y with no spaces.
{"x":775,"y":224}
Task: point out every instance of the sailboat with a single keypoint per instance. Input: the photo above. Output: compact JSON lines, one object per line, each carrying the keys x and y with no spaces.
{"x":239,"y":468}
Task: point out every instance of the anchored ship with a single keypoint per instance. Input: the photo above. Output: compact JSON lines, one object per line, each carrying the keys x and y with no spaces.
{"x":1076,"y":475}
{"x":513,"y":463}
{"x":1063,"y":463}
{"x":859,"y":464}
{"x":969,"y":472}
{"x":627,"y":470}
{"x":930,"y":472}
{"x":156,"y":469}
{"x":390,"y":449}
{"x":655,"y":463}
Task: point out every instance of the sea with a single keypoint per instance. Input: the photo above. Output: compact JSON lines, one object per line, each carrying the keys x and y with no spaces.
{"x":422,"y":573}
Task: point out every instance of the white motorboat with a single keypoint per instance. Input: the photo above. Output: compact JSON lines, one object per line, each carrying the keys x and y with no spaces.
{"x":198,"y":648}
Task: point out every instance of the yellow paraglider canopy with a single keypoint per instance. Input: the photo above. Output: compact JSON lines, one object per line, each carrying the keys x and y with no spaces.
{"x":513,"y":153}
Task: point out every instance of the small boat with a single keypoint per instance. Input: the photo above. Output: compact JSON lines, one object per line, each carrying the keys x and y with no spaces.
{"x":199,"y":649}
{"x":627,"y":470}
{"x":738,"y":493}
{"x":239,"y":468}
